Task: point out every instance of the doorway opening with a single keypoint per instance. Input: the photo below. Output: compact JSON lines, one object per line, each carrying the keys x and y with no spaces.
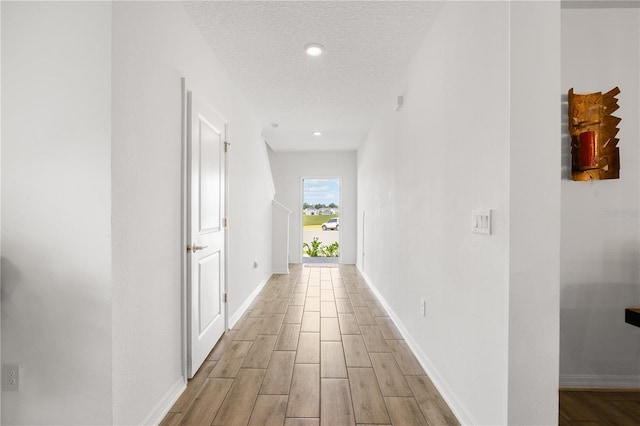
{"x":321,"y":220}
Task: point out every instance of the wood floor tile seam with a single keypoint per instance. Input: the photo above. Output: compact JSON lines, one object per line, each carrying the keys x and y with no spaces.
{"x":252,"y":407}
{"x":229,"y":392}
{"x":259,"y":387}
{"x":396,"y":383}
{"x":276,"y":299}
{"x":344,"y":360}
{"x":187,"y":414}
{"x":202,"y":376}
{"x":376,"y":381}
{"x":299,"y":415}
{"x":290,"y":379}
{"x":388,"y":399}
{"x":350,"y":396}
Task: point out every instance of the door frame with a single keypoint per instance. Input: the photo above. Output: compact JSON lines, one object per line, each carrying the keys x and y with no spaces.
{"x":339,"y":179}
{"x":184,"y":230}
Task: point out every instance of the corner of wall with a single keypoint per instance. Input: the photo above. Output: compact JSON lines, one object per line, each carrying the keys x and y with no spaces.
{"x":269,"y":158}
{"x":534,"y":213}
{"x":165,"y":403}
{"x":235,"y":317}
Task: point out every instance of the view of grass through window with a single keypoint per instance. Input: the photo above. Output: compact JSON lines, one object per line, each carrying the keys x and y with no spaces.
{"x":320,"y":220}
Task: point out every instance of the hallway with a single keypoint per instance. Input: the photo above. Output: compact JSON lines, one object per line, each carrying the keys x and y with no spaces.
{"x":315,"y":347}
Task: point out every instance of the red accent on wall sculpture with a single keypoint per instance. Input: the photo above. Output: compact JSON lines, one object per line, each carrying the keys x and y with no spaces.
{"x":594,"y":146}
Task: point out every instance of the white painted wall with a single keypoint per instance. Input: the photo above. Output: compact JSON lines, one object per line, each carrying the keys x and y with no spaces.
{"x":534,"y":213}
{"x":457,"y":145}
{"x":600,"y":272}
{"x":422,"y":171}
{"x":56,"y":211}
{"x":251,"y":193}
{"x":0,"y":198}
{"x":154,"y":45}
{"x":280,"y":238}
{"x":289,"y":168}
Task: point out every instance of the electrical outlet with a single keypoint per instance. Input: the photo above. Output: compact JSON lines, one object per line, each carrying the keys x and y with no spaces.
{"x":422,"y":307}
{"x":11,"y":377}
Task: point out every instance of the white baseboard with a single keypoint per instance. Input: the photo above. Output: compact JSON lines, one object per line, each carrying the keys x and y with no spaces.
{"x":458,"y":410}
{"x":164,"y":405}
{"x":243,"y":308}
{"x":599,"y":381}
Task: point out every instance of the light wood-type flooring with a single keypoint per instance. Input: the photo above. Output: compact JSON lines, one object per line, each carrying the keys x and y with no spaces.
{"x":599,"y":408}
{"x":314,"y":348}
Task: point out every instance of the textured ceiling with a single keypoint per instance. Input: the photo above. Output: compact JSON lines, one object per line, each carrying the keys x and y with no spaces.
{"x":368,"y":44}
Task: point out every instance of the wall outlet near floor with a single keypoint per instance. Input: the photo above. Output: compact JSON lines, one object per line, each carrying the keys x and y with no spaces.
{"x":11,"y":377}
{"x":422,"y":307}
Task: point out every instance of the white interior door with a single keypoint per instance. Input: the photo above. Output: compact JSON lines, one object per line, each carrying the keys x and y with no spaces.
{"x":206,"y":231}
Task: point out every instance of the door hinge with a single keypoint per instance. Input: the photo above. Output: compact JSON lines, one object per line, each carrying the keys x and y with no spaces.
{"x":226,"y":146}
{"x":225,"y":222}
{"x":225,"y":297}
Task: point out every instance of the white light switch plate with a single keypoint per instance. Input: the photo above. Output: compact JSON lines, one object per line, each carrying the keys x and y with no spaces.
{"x":481,"y":222}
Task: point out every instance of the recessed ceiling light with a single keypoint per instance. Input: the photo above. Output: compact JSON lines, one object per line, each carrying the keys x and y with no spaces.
{"x":316,"y":133}
{"x":313,"y":49}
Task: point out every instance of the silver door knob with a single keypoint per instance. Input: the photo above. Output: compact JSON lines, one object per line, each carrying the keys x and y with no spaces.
{"x":194,"y":247}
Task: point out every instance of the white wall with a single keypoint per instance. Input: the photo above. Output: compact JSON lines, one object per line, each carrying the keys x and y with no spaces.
{"x":0,"y":198}
{"x":56,"y":204}
{"x":534,"y":212}
{"x":422,"y":171}
{"x":600,"y":272}
{"x":289,"y":168}
{"x":251,"y":193}
{"x":457,"y":145}
{"x":280,"y":238}
{"x":154,"y":45}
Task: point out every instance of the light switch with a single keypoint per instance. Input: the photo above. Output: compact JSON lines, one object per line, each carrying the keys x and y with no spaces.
{"x":481,"y":222}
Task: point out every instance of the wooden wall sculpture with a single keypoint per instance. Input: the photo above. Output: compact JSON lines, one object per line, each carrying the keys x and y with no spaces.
{"x":593,"y":130}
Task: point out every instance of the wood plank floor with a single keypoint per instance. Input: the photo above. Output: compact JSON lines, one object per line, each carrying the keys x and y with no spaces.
{"x":314,"y":348}
{"x":599,"y":408}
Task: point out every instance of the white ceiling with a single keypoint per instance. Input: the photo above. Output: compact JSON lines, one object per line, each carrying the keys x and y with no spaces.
{"x":368,"y":44}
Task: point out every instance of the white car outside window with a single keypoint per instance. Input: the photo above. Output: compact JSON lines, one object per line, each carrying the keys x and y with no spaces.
{"x":331,"y":224}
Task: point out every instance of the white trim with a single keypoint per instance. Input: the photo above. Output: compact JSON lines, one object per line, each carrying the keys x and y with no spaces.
{"x":445,"y":391}
{"x":183,"y":231}
{"x":227,"y":146}
{"x":599,"y":381}
{"x":243,"y":308}
{"x":282,"y":206}
{"x":162,"y":408}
